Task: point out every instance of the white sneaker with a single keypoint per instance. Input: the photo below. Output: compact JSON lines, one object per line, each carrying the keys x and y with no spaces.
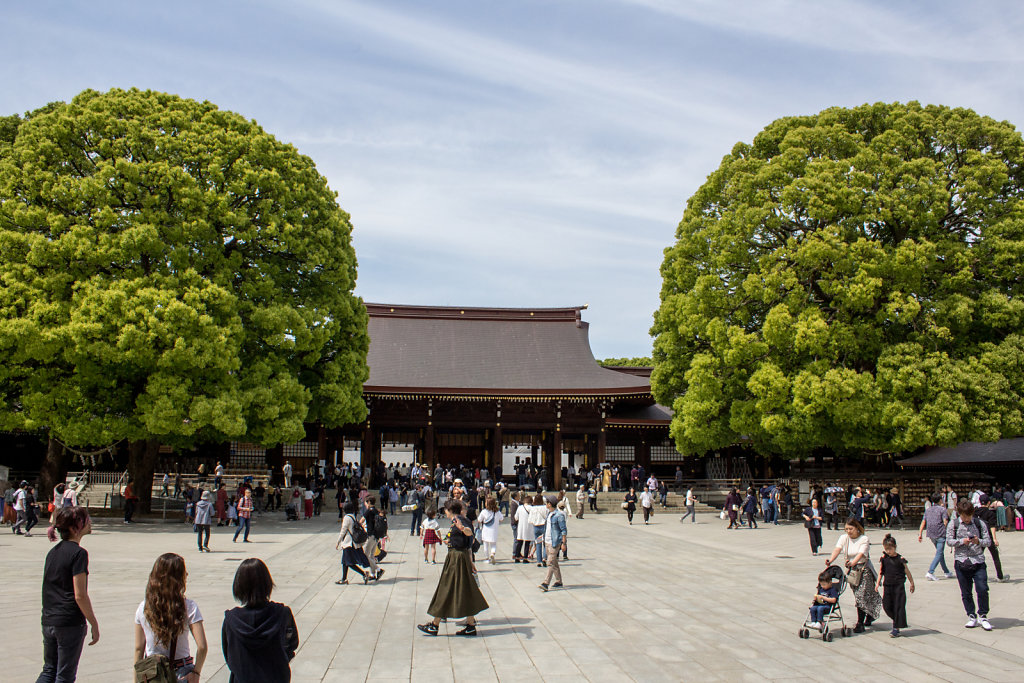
{"x":984,"y":623}
{"x":949,"y":575}
{"x":971,"y":622}
{"x":1006,"y":577}
{"x":930,"y":576}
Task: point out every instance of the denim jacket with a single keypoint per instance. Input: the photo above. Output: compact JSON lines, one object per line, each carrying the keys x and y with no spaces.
{"x":556,"y":520}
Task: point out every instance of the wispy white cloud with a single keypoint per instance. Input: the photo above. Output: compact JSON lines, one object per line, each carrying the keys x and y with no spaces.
{"x":932,"y":30}
{"x":527,"y":153}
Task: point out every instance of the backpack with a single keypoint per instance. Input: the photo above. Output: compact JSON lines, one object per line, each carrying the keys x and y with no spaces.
{"x":358,"y":533}
{"x":380,"y":526}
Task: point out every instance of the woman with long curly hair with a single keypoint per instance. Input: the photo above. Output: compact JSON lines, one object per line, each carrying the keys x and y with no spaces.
{"x":166,"y":617}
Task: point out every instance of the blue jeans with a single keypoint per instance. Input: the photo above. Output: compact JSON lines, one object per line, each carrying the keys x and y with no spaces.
{"x":417,"y":519}
{"x":818,"y":612}
{"x":243,"y":522}
{"x":973,"y":575}
{"x":62,"y":648}
{"x":940,"y":555}
{"x":538,"y":540}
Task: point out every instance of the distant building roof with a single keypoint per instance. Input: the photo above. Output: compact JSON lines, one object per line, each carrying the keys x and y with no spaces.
{"x":488,"y":352}
{"x":652,"y":415}
{"x":1005,"y":451}
{"x":638,"y":370}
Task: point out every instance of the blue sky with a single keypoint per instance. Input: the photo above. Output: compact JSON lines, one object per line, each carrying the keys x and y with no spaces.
{"x":519,"y":153}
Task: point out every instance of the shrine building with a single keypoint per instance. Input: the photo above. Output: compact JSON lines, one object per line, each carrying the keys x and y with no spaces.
{"x":467,"y":385}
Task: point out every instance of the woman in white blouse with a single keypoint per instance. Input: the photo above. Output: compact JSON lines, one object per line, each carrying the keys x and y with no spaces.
{"x":861,"y":572}
{"x":164,"y":620}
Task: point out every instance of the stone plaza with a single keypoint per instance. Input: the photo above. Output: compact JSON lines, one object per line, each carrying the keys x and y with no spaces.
{"x":663,"y":602}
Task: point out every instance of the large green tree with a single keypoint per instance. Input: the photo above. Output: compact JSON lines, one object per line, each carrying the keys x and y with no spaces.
{"x":170,"y":273}
{"x":850,"y":280}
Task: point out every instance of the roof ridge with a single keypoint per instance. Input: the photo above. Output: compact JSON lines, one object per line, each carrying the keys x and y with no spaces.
{"x":564,"y":314}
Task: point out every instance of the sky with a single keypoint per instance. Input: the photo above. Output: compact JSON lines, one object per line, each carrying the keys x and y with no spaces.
{"x":521,"y":154}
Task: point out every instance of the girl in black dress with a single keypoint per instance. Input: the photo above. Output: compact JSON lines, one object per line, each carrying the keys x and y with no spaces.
{"x":630,"y":504}
{"x":892,"y":574}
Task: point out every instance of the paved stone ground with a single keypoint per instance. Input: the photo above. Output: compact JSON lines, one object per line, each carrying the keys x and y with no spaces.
{"x":669,"y":601}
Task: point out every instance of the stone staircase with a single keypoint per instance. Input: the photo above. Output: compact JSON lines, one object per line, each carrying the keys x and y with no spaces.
{"x":611,"y":502}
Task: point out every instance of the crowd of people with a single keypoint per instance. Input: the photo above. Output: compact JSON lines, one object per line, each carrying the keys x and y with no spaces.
{"x":466,"y":515}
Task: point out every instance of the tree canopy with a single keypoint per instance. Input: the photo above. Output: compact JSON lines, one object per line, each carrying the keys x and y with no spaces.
{"x":850,"y":280}
{"x":170,"y":271}
{"x":642,"y":362}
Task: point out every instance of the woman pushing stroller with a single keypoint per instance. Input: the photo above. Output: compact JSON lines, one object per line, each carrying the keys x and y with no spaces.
{"x":861,"y":572}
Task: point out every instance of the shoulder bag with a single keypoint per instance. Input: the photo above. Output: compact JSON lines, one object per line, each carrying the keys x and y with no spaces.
{"x":157,"y":668}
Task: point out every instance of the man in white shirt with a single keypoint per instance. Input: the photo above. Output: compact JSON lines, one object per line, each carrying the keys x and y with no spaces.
{"x":691,"y":503}
{"x":287,"y":471}
{"x":20,"y":508}
{"x":647,"y":503}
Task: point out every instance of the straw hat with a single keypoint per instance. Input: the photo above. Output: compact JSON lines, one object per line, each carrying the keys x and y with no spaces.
{"x":206,"y":495}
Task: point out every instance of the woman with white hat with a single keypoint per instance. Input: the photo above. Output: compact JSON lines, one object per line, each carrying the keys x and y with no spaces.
{"x":204,"y":515}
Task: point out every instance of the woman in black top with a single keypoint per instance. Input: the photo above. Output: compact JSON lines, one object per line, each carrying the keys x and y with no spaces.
{"x":259,"y":638}
{"x":630,"y":501}
{"x":66,"y":604}
{"x":457,"y":594}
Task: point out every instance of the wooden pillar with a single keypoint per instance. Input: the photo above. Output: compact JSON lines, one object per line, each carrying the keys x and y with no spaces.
{"x":498,"y":449}
{"x":601,"y":441}
{"x":644,"y":453}
{"x":486,"y":441}
{"x":556,"y":459}
{"x":428,"y":447}
{"x":370,"y":452}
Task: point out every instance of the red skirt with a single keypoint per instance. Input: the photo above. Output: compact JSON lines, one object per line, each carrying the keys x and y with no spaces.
{"x":430,"y":537}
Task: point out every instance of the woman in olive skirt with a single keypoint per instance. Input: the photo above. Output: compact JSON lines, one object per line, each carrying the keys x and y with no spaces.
{"x":457,"y":594}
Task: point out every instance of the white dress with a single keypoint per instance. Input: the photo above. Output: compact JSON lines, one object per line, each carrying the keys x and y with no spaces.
{"x":490,"y":523}
{"x":524,"y":531}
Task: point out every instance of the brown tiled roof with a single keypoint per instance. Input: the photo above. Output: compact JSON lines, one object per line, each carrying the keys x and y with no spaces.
{"x":970,"y":453}
{"x":488,"y":352}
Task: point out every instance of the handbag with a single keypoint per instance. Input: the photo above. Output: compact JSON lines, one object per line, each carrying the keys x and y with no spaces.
{"x":157,"y":668}
{"x":856,"y":575}
{"x":625,"y":505}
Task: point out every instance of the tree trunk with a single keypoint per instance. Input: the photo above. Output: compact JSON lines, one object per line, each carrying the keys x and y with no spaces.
{"x":142,"y":458}
{"x":54,"y":469}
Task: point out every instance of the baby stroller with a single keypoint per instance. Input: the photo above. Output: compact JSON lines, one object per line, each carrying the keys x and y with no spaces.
{"x":833,"y":615}
{"x":291,"y":512}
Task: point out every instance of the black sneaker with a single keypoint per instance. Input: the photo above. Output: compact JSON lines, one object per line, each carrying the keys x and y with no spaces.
{"x":470,"y":630}
{"x":431,"y":629}
{"x":543,"y":587}
{"x":557,"y":585}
